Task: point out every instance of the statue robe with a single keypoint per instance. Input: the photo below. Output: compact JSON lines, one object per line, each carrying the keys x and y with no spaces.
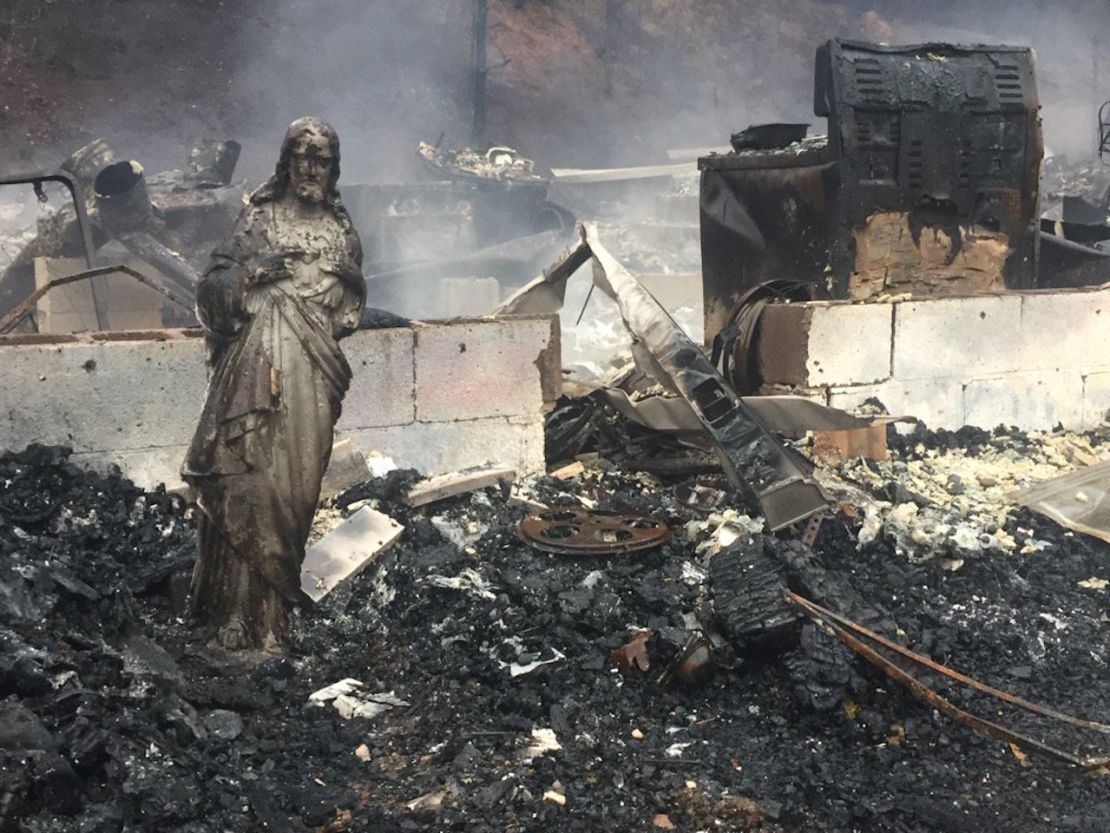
{"x":274,"y":395}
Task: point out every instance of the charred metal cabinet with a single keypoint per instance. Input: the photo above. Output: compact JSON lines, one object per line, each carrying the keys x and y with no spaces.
{"x":928,"y":182}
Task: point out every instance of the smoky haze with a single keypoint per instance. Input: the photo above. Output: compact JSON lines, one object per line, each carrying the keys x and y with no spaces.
{"x":593,"y":82}
{"x":573,"y":83}
{"x":385,"y":74}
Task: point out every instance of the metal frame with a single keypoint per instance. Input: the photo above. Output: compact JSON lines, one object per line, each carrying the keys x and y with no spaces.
{"x":27,"y":305}
{"x":93,"y":270}
{"x":36,"y":180}
{"x":1104,"y":132}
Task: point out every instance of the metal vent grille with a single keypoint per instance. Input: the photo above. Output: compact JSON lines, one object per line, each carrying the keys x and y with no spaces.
{"x":1007,"y":81}
{"x":870,"y":81}
{"x":965,"y":153}
{"x":915,"y":164}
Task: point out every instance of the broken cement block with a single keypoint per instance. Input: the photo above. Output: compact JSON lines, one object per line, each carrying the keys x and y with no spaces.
{"x":477,"y":369}
{"x":436,"y":447}
{"x":444,"y":486}
{"x":1065,"y":329}
{"x":1096,"y":399}
{"x":835,"y":447}
{"x":825,"y":344}
{"x":1029,"y":400}
{"x":567,"y":472}
{"x":383,"y":390}
{"x":125,"y":303}
{"x":347,"y":467}
{"x":379,"y":465}
{"x":329,"y":693}
{"x":346,"y":550}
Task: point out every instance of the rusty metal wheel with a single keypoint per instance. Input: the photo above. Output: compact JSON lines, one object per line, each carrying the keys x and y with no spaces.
{"x":591,"y":532}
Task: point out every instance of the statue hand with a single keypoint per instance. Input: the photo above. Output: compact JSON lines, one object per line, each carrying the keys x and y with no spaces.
{"x":272,"y":267}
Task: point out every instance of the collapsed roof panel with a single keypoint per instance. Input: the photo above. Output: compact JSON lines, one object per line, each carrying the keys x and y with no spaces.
{"x":754,"y":461}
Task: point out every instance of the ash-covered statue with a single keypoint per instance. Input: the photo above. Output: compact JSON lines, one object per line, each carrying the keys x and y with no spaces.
{"x":274,"y":302}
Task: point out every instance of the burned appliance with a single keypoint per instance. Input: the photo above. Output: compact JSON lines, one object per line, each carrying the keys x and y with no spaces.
{"x":927,"y":182}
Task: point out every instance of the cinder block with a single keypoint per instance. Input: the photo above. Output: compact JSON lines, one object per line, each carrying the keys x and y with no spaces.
{"x":346,"y":467}
{"x":1096,"y":399}
{"x":103,"y":396}
{"x":476,"y":369}
{"x":1066,"y":329}
{"x":1031,"y":401}
{"x":383,"y":383}
{"x":440,"y":447}
{"x":957,"y":337}
{"x":135,"y":401}
{"x":849,"y":344}
{"x":936,"y":402}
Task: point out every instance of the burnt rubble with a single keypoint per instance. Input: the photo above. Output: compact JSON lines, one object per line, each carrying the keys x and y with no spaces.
{"x":514,"y":716}
{"x":168,"y":222}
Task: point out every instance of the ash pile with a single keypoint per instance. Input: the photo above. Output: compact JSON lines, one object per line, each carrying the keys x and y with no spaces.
{"x":467,"y":679}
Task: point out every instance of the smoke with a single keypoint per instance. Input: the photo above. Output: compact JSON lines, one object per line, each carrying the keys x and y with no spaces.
{"x":600,"y":82}
{"x":574,"y":83}
{"x":386,"y":75}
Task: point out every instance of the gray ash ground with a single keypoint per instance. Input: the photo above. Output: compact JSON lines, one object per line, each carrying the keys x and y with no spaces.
{"x":114,"y":719}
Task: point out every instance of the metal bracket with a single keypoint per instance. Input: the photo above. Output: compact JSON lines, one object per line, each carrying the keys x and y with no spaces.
{"x":36,"y":180}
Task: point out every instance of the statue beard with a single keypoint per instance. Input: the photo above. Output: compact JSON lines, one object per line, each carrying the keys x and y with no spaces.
{"x":309,"y":192}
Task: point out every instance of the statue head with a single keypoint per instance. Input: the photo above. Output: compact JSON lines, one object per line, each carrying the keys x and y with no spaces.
{"x":308,"y":166}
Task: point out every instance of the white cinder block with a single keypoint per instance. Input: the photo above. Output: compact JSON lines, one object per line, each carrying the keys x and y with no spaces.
{"x":383,"y":383}
{"x":1096,"y":399}
{"x":476,"y":369}
{"x":936,"y":402}
{"x":136,"y":403}
{"x":957,"y":337}
{"x":849,"y":344}
{"x":1065,"y":330}
{"x":1031,"y":401}
{"x":102,"y":396}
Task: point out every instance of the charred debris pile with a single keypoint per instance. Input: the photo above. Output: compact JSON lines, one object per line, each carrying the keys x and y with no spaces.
{"x":488,"y":685}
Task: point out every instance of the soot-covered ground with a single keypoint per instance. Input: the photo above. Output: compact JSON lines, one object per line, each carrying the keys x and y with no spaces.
{"x":114,"y":717}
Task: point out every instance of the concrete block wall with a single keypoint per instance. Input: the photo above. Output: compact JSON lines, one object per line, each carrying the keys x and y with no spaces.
{"x":438,"y":397}
{"x":1031,"y":359}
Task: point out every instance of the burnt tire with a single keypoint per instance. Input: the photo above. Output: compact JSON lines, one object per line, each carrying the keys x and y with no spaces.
{"x":748,"y":582}
{"x":821,"y":669}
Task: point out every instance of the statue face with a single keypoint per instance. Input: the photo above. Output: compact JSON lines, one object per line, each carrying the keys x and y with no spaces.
{"x":310,"y":167}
